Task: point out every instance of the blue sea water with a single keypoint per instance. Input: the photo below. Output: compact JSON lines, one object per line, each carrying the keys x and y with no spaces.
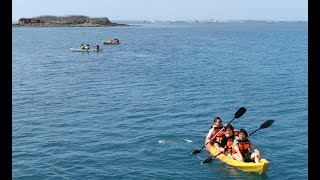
{"x":137,"y":110}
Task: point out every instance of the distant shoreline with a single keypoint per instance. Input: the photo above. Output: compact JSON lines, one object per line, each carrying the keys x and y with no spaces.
{"x":65,"y":21}
{"x":80,"y":25}
{"x":83,"y":21}
{"x":208,"y":21}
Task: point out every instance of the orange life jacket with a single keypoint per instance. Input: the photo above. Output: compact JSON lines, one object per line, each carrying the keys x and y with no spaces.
{"x":230,"y":142}
{"x":218,"y":135}
{"x":244,"y":146}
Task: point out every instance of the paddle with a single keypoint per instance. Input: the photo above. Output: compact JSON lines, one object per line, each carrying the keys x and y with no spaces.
{"x":263,"y":126}
{"x":210,"y":159}
{"x":238,"y":114}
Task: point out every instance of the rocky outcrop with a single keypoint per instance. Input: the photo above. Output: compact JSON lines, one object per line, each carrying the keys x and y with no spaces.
{"x":70,"y":21}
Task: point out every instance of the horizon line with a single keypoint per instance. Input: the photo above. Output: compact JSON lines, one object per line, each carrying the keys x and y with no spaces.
{"x":190,"y":20}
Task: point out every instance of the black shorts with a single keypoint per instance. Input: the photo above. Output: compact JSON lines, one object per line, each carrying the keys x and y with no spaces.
{"x":248,"y":158}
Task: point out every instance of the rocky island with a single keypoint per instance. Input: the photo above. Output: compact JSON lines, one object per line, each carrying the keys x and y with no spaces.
{"x":65,"y":21}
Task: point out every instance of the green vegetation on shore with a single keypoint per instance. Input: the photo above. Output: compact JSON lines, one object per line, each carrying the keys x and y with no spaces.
{"x":65,"y":21}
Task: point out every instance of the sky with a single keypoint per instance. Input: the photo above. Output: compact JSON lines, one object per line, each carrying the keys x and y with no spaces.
{"x":278,"y":10}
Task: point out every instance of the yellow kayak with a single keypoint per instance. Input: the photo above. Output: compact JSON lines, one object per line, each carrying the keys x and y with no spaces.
{"x":258,"y":168}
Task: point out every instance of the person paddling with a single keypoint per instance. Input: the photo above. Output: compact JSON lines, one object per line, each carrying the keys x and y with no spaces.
{"x":227,"y":140}
{"x":82,"y":46}
{"x":87,"y":47}
{"x":216,"y":132}
{"x":241,"y":148}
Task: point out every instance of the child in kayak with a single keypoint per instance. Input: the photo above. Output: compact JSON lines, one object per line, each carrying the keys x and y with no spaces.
{"x":227,"y":140}
{"x":241,"y":148}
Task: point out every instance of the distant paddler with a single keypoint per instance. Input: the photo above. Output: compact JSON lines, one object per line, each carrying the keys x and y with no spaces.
{"x":116,"y":41}
{"x":81,"y":46}
{"x":97,"y":47}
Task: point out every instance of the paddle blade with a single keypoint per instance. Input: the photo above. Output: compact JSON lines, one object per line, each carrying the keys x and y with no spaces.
{"x":208,"y":160}
{"x":266,"y":124}
{"x":240,"y":112}
{"x":263,"y":126}
{"x":196,"y":151}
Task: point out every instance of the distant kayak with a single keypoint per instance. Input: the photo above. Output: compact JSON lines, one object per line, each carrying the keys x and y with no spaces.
{"x":110,"y":43}
{"x":85,"y":50}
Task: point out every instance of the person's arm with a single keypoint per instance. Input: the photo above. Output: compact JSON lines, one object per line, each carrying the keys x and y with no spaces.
{"x":236,"y":148}
{"x":255,"y":150}
{"x":210,"y":132}
{"x":236,"y":135}
{"x":223,"y":143}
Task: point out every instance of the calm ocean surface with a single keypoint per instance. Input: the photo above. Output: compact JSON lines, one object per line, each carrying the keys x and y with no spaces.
{"x":137,"y":110}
